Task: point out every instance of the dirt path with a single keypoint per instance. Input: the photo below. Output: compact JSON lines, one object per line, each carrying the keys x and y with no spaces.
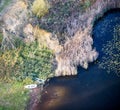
{"x":34,"y":98}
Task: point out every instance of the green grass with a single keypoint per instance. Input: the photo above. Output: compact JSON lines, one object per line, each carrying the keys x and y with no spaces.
{"x":6,"y":3}
{"x":13,"y":96}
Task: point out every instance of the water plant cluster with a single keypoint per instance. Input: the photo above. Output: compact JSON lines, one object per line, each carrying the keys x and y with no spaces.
{"x":111,"y":60}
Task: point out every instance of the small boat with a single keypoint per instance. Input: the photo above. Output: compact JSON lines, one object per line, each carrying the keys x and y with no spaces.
{"x":31,"y":86}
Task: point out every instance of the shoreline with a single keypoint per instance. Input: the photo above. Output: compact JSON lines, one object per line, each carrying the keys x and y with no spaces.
{"x":67,"y":60}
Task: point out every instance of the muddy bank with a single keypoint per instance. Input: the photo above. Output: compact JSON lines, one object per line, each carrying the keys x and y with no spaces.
{"x":34,"y":99}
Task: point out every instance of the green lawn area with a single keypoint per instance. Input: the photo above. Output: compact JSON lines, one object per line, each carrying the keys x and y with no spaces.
{"x":13,"y":96}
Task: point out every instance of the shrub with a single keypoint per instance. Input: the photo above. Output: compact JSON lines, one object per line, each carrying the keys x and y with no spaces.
{"x":87,"y":4}
{"x":8,"y":66}
{"x":35,"y":60}
{"x":25,"y":61}
{"x":40,"y":7}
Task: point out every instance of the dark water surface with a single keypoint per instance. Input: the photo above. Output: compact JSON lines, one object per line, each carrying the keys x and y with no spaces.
{"x":91,"y":89}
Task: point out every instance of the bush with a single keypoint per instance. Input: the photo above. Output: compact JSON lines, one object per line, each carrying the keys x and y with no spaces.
{"x":40,"y":7}
{"x":35,"y":60}
{"x":8,"y":66}
{"x":25,"y":61}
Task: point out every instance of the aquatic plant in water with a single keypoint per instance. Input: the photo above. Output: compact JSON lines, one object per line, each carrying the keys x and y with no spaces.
{"x":111,"y":60}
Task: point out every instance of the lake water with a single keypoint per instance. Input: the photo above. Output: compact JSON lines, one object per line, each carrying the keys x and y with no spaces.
{"x":91,"y":89}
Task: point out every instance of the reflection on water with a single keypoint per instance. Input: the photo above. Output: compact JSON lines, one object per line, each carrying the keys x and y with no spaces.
{"x":55,"y":96}
{"x":92,"y":89}
{"x":87,"y":90}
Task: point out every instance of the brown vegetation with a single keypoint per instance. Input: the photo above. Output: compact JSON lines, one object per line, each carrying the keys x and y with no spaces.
{"x":44,"y":38}
{"x":78,"y":49}
{"x":68,"y":28}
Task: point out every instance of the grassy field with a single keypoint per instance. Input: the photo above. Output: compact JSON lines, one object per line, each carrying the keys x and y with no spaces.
{"x":13,"y":96}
